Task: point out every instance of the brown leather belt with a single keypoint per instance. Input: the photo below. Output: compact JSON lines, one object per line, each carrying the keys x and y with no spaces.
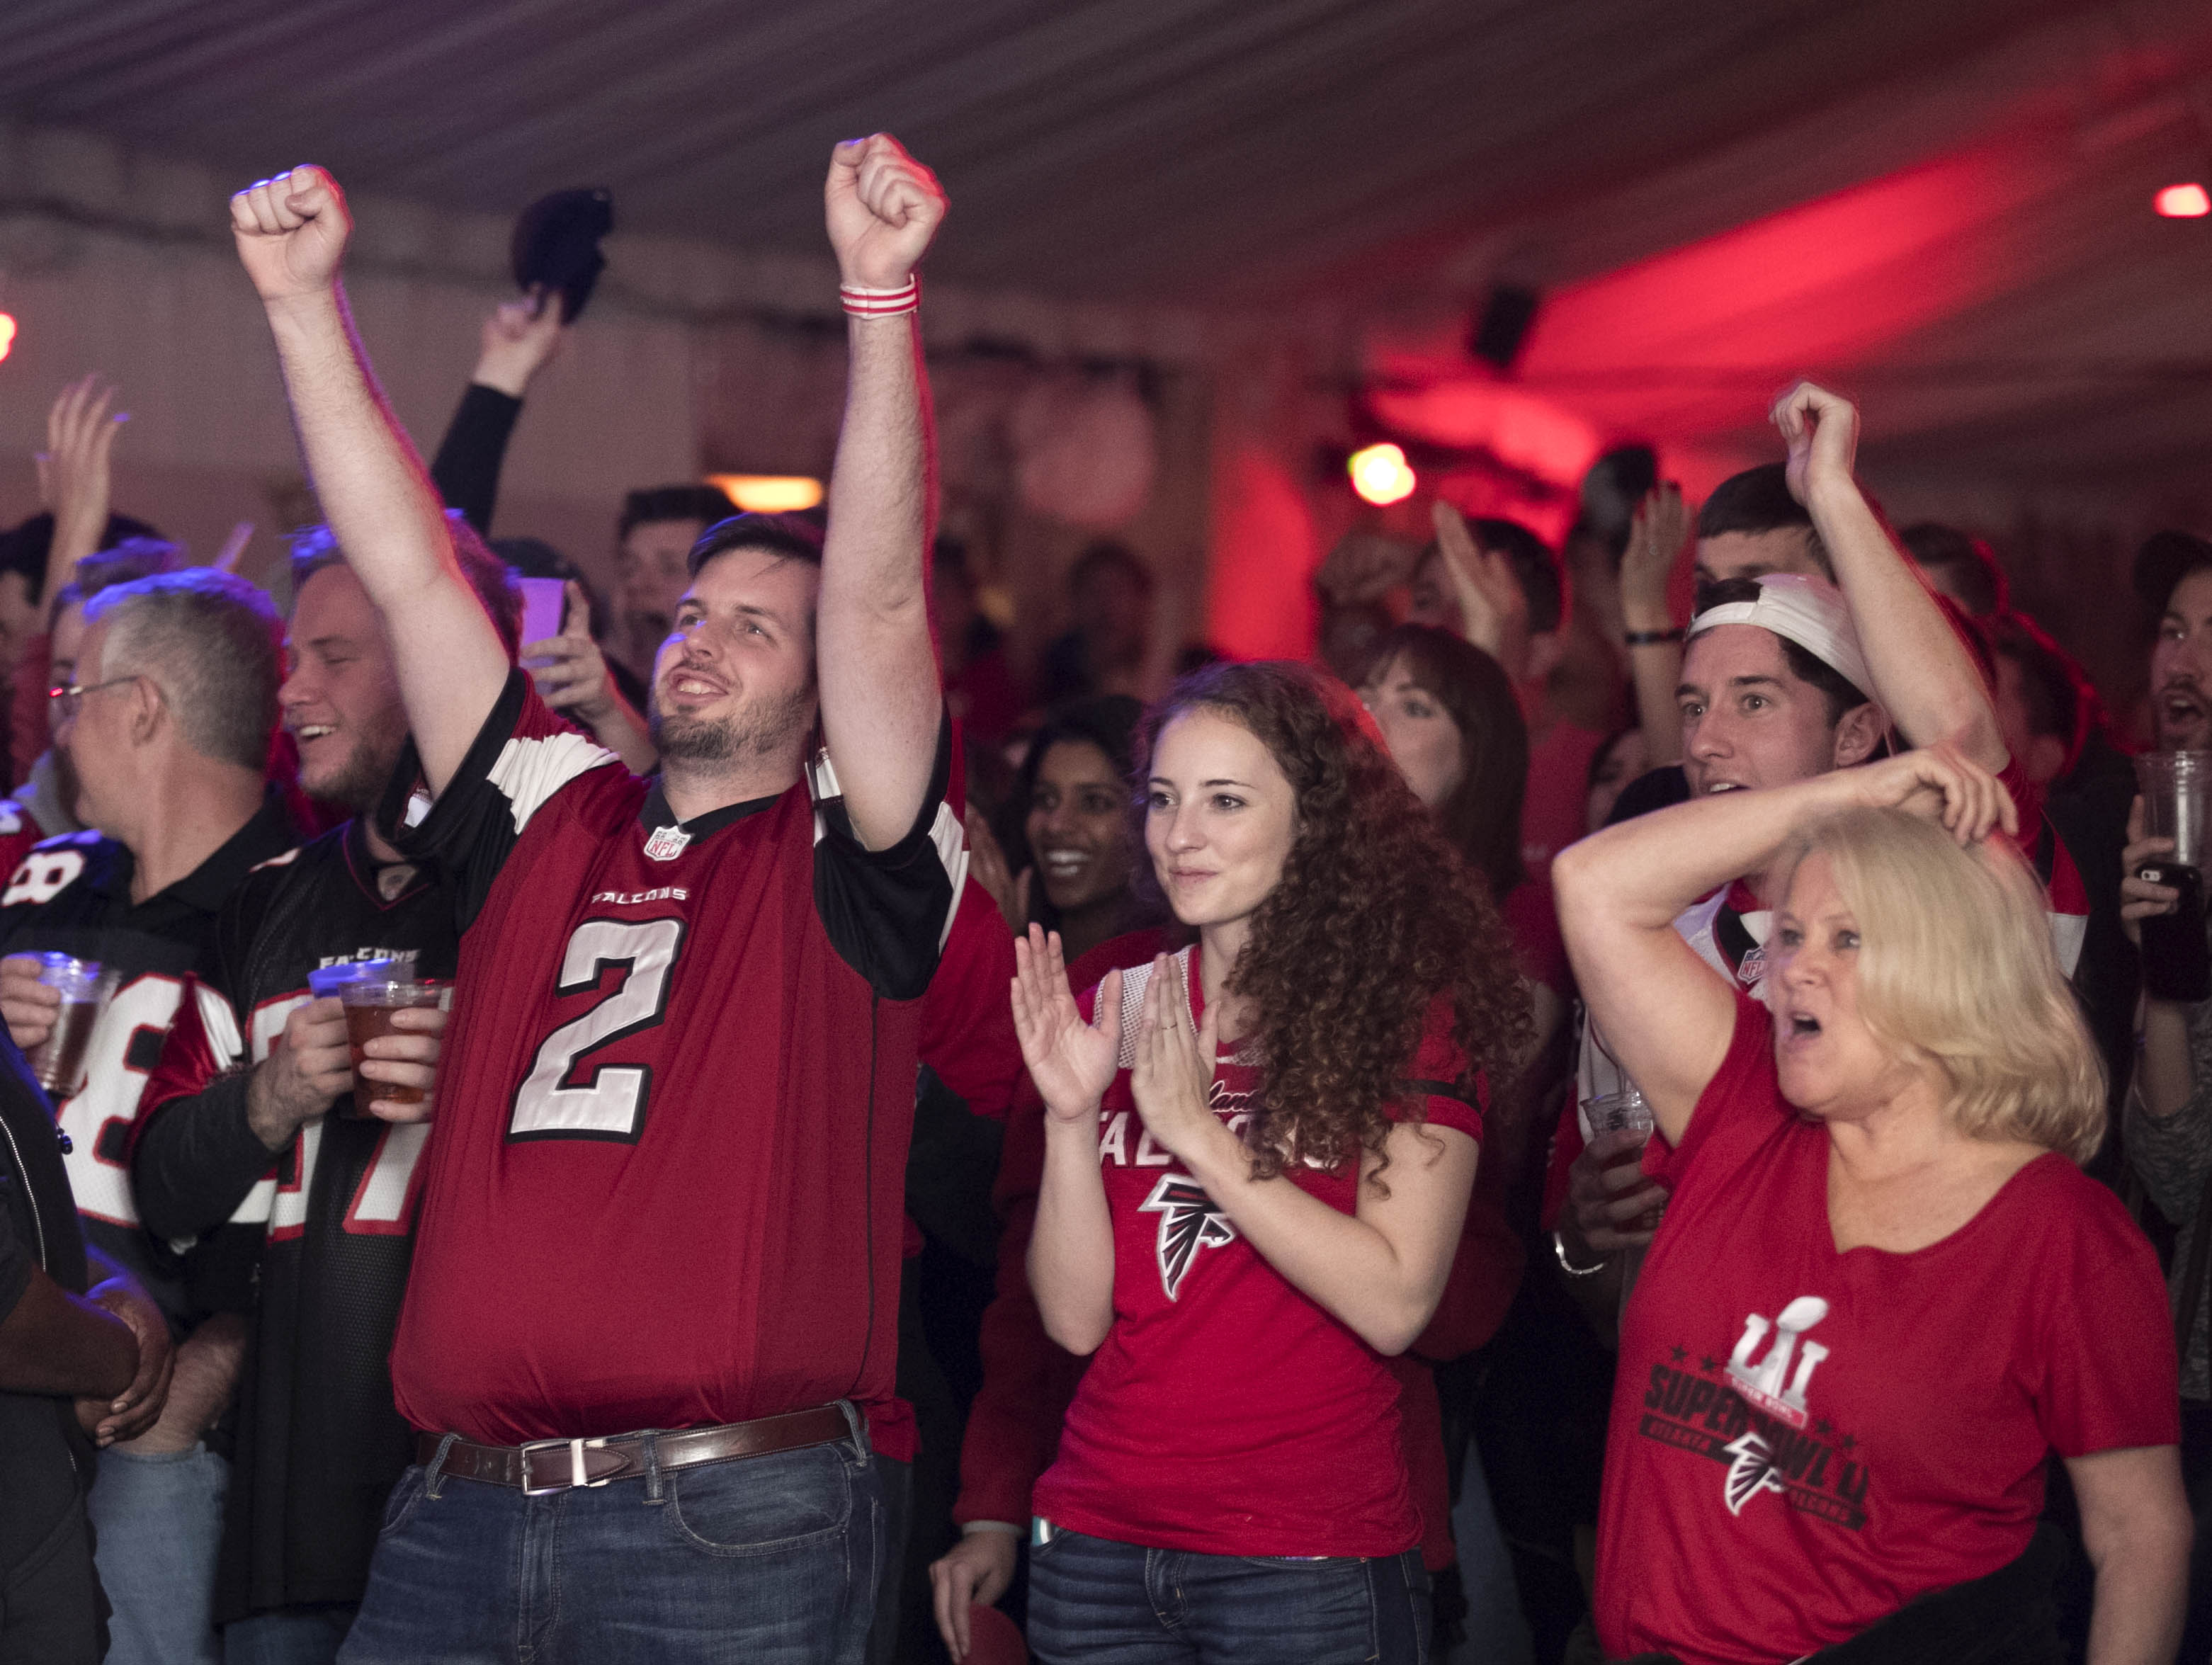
{"x":555,"y":1465}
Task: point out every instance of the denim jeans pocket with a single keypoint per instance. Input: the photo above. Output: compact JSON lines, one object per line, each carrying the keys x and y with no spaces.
{"x":762,"y":1505}
{"x":407,"y":1492}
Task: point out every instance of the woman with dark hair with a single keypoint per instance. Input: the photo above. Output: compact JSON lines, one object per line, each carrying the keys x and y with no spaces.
{"x":1072,"y":848}
{"x":1448,"y":713}
{"x":1258,"y":1156}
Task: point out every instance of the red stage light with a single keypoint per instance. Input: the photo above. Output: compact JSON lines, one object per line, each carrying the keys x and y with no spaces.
{"x":1381,"y":474}
{"x":7,"y":334}
{"x":2184,"y":202}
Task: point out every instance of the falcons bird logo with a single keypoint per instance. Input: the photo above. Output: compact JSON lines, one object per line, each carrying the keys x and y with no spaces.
{"x":1189,"y":1223}
{"x":1752,"y":1472}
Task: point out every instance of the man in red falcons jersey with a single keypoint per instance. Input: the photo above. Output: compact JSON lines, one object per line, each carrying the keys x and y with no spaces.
{"x":654,"y":1289}
{"x":318,"y":1442}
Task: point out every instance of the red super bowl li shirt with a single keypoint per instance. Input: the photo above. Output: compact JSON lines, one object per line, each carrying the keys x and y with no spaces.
{"x":1803,"y":1440}
{"x":1227,"y":1411}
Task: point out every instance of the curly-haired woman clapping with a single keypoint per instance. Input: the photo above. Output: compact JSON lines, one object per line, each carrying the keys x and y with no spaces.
{"x":1259,"y":1155}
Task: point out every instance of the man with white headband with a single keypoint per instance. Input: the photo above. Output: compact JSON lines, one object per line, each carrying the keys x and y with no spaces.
{"x":1778,"y":684}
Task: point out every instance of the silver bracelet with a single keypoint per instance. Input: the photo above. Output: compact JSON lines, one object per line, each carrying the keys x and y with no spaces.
{"x":1559,"y":1249}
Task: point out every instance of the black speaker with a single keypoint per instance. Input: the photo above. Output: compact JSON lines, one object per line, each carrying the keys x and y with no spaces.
{"x":1501,"y":331}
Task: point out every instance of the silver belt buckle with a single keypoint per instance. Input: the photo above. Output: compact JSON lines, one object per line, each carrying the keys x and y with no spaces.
{"x":576,"y":1469}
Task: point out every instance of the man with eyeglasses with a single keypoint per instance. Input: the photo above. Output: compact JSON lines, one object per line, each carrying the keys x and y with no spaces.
{"x":166,"y":724}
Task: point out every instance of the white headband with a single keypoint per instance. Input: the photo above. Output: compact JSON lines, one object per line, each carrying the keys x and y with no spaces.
{"x":1809,"y":611}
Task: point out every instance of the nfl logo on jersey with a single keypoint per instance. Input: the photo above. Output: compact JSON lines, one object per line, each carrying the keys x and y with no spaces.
{"x":666,"y":844}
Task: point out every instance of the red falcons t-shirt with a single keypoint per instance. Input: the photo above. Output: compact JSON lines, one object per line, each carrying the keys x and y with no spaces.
{"x":663,"y":1187}
{"x":1227,"y":1411}
{"x":1802,"y":1441}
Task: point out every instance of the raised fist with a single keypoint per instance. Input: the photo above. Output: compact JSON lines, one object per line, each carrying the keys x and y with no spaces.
{"x":883,"y":209}
{"x":291,"y":232}
{"x":1822,"y":431}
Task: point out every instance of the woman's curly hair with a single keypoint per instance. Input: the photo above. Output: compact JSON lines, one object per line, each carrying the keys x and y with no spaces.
{"x":1375,"y":915}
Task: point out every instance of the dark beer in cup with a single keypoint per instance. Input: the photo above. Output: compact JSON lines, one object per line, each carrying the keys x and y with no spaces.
{"x":85,"y":988}
{"x":369,"y":1006}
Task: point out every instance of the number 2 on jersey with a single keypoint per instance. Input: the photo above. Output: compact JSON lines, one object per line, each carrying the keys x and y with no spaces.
{"x":607,"y":1103}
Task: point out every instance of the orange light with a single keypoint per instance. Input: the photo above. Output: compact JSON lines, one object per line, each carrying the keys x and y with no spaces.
{"x":7,"y":334}
{"x":770,"y":494}
{"x":2183,"y":202}
{"x":1381,"y":475}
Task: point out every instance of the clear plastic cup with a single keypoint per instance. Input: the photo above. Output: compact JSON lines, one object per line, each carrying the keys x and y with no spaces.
{"x":1616,"y":1112}
{"x":86,"y":987}
{"x":2177,"y":794}
{"x":370,"y":1003}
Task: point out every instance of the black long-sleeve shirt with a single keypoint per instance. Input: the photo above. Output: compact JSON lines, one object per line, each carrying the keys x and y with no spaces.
{"x":467,"y":468}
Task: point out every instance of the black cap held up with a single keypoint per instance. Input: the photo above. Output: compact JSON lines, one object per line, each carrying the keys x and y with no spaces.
{"x":557,"y":244}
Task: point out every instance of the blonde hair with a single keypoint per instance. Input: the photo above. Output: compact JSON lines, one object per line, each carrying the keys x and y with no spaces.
{"x":1957,"y":973}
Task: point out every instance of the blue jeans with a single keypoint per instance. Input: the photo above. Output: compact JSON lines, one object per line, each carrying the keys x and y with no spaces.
{"x":1107,"y":1603}
{"x":771,"y":1559}
{"x":288,"y":1636}
{"x":157,"y":1522}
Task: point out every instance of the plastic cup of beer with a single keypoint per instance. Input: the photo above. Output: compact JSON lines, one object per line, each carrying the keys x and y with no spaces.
{"x":370,"y":1002}
{"x":1618,"y":1112}
{"x":85,"y":987}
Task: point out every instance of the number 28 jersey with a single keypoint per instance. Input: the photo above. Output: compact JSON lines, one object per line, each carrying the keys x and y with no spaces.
{"x":662,"y":1188}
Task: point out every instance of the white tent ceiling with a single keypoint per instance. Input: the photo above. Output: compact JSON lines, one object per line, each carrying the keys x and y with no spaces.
{"x":1944,"y":203}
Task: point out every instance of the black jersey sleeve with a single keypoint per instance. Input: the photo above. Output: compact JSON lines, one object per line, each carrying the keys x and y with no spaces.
{"x":887,"y":911}
{"x":195,"y":1159}
{"x":521,"y":758}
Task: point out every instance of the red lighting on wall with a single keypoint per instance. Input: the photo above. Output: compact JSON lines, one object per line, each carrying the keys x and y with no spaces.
{"x":2183,"y":202}
{"x":1381,"y":474}
{"x":7,"y":334}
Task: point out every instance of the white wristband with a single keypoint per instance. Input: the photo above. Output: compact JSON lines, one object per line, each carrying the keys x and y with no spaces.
{"x":863,"y":302}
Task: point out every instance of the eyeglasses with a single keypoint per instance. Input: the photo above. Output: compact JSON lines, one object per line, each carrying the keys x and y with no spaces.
{"x":66,"y":699}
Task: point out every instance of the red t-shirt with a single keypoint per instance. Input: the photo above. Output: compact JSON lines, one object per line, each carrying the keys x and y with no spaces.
{"x":663,"y":1187}
{"x":1530,"y":915}
{"x":1555,"y":810}
{"x":1802,"y":1441}
{"x":1227,"y":1411}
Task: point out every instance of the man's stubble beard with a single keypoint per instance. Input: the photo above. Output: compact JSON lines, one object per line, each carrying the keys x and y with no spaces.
{"x":359,"y":782}
{"x":746,"y":736}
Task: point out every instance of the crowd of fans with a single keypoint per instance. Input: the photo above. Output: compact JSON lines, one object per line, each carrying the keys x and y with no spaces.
{"x":1554,"y":1132}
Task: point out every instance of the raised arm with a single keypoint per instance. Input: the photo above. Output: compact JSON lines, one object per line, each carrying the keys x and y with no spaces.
{"x":519,"y":338}
{"x":75,"y":477}
{"x":1923,"y":677}
{"x":291,"y":232}
{"x":1658,"y":539}
{"x":1665,"y":1014}
{"x":878,"y":668}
